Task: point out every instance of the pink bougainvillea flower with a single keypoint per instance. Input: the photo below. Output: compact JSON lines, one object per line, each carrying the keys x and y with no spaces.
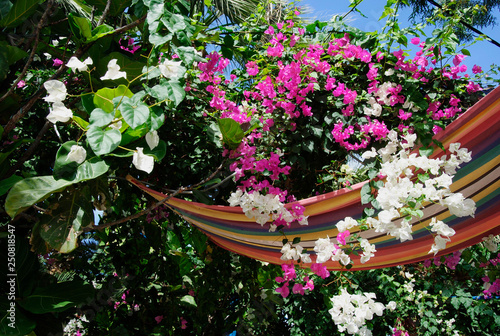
{"x":183,"y":323}
{"x":476,"y":69}
{"x":284,"y":290}
{"x":458,"y":59}
{"x":269,"y":31}
{"x":57,"y":62}
{"x":415,"y":41}
{"x":21,"y":84}
{"x":158,"y":319}
{"x":342,"y":236}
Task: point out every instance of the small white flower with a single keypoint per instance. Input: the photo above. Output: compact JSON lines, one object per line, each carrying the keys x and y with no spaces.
{"x":114,"y":71}
{"x":389,"y":72}
{"x":170,"y":69}
{"x":77,"y":154}
{"x":75,"y":64}
{"x":369,"y":154}
{"x":56,"y":90}
{"x":142,"y":161}
{"x":391,"y":305}
{"x":152,"y":139}
{"x":60,"y":113}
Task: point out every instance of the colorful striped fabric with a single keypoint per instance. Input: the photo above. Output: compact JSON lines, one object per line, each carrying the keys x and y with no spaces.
{"x":477,"y":130}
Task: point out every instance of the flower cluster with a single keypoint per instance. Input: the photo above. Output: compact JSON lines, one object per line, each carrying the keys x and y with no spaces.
{"x":289,"y":274}
{"x":265,"y":208}
{"x":350,"y":311}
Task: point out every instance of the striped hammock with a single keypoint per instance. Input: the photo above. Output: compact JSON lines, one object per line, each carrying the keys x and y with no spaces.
{"x":478,"y":130}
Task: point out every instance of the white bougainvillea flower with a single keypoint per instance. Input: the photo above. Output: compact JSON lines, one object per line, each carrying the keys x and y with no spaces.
{"x":170,"y":69}
{"x":77,"y":154}
{"x":59,"y":112}
{"x":142,"y":161}
{"x":56,"y":90}
{"x":152,"y":139}
{"x":75,"y":64}
{"x":114,"y":71}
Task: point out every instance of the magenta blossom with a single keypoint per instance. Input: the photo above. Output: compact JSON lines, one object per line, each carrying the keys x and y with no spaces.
{"x":57,"y":62}
{"x":21,"y":84}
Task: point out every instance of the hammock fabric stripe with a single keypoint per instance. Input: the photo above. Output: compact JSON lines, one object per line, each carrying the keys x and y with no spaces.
{"x":478,"y":130}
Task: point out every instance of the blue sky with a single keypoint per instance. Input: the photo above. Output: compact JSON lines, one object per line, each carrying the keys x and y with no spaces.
{"x":483,"y":53}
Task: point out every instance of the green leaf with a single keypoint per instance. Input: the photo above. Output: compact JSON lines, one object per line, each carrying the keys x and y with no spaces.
{"x":100,"y":118}
{"x":19,"y":12}
{"x":22,"y":325}
{"x":99,"y":32}
{"x":366,"y":193}
{"x":80,"y":27}
{"x":31,"y":190}
{"x":426,"y":151}
{"x":6,"y":184}
{"x":12,"y":53}
{"x":188,"y":300}
{"x":158,"y":152}
{"x":27,"y":192}
{"x":82,"y":123}
{"x":156,"y":118}
{"x":62,"y":167}
{"x":174,"y":22}
{"x":232,"y":134}
{"x":104,"y":97}
{"x":103,"y":141}
{"x":131,"y":135}
{"x":134,"y":115}
{"x":57,"y":297}
{"x":186,"y":54}
{"x":5,"y":7}
{"x":61,"y":228}
{"x":88,"y":102}
{"x":171,"y":91}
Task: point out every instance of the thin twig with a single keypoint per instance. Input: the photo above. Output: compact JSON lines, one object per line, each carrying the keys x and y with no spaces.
{"x":31,"y":149}
{"x":467,"y":25}
{"x":136,"y":215}
{"x":39,"y":27}
{"x":104,"y":13}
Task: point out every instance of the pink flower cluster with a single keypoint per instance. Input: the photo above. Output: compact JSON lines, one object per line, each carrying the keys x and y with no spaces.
{"x":451,"y":261}
{"x":289,"y":274}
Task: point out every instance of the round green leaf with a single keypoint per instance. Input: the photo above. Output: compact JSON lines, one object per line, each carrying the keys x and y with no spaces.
{"x":100,"y":118}
{"x":104,"y":97}
{"x":103,"y":141}
{"x":135,"y":115}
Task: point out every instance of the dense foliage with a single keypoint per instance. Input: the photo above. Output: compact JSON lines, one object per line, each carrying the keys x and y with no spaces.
{"x":212,"y":108}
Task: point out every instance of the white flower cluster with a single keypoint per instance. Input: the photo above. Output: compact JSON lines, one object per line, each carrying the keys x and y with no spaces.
{"x":326,"y":250}
{"x":263,"y":208}
{"x":75,"y":327}
{"x":57,"y":93}
{"x":401,"y":189}
{"x":491,"y":243}
{"x":288,"y":253}
{"x":350,"y":311}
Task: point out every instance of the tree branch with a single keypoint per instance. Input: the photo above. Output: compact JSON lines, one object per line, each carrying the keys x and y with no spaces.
{"x":39,"y":27}
{"x":31,"y":149}
{"x":477,"y":31}
{"x":136,"y":215}
{"x":104,"y":13}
